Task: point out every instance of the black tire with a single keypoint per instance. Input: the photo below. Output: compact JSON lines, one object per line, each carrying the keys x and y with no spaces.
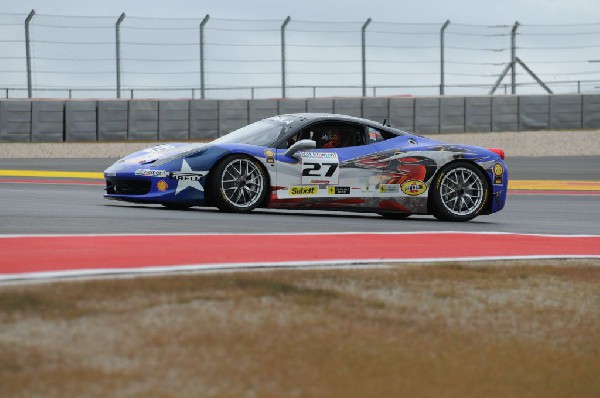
{"x":238,"y":183}
{"x":459,"y":192}
{"x":395,"y":216}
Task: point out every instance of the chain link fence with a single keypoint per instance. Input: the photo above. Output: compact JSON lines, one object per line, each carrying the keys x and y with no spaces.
{"x":52,"y":56}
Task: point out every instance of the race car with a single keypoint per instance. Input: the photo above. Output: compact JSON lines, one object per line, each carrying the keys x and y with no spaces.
{"x":317,"y":162}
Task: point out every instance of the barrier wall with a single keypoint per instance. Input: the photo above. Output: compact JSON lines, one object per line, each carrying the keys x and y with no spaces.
{"x":175,"y":120}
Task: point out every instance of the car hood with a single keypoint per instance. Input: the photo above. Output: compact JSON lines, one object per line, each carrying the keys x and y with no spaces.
{"x":163,"y":153}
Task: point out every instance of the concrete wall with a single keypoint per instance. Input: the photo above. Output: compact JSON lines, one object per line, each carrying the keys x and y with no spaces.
{"x":177,"y":120}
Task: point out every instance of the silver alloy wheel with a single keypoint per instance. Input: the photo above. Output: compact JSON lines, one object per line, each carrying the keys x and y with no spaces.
{"x":461,"y":191}
{"x":242,"y":182}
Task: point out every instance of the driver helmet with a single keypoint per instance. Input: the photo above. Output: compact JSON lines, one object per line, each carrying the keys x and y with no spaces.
{"x":332,"y":139}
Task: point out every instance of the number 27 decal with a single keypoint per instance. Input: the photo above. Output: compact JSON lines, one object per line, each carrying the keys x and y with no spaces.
{"x":320,"y":171}
{"x":313,"y":169}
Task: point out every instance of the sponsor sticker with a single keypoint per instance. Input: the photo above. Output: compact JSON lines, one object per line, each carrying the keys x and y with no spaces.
{"x":414,"y":187}
{"x":319,"y":155}
{"x":320,"y":168}
{"x":151,"y":173}
{"x":270,"y":155}
{"x":162,"y":185}
{"x":498,"y":171}
{"x":389,"y":188}
{"x":185,"y":176}
{"x":338,"y":190}
{"x":303,"y":190}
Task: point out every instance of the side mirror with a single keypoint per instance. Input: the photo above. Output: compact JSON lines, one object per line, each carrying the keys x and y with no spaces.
{"x":300,"y":146}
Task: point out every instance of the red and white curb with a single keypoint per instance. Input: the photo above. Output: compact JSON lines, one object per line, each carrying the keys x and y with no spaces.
{"x":57,"y":256}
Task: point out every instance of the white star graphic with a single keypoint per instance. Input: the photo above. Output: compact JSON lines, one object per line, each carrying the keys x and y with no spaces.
{"x":183,"y":184}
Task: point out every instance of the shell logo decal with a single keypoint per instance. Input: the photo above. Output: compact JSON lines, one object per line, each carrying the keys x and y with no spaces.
{"x":498,"y":169}
{"x":162,"y":185}
{"x":414,"y":187}
{"x":270,"y":156}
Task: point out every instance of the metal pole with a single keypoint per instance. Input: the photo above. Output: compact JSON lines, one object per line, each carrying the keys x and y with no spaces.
{"x":287,"y":21}
{"x":364,"y":57}
{"x":118,"y":47}
{"x":537,"y":79}
{"x":513,"y":61}
{"x":442,"y":31}
{"x":202,"y":71}
{"x":28,"y":52}
{"x":499,"y":80}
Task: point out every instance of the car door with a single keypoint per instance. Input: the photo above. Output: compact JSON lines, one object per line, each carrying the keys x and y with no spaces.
{"x":328,"y":175}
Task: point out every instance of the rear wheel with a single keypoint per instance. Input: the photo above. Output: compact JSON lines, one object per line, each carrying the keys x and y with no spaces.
{"x":237,"y":184}
{"x":459,"y":192}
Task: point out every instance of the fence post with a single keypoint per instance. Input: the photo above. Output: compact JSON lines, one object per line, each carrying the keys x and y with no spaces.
{"x":118,"y":49}
{"x":287,"y":21}
{"x":364,"y":57}
{"x":202,"y":71}
{"x":28,"y":52}
{"x":513,"y":56}
{"x":442,"y":32}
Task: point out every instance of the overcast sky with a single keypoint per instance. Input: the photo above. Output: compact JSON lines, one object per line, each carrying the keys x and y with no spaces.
{"x":459,"y":11}
{"x":554,"y":58}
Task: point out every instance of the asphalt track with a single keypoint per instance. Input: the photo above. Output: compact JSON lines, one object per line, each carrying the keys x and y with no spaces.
{"x":31,"y":207}
{"x":47,"y":202}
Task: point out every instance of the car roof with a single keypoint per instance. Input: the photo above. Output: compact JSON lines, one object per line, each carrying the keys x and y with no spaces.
{"x":319,"y":117}
{"x":335,"y":116}
{"x":312,"y":117}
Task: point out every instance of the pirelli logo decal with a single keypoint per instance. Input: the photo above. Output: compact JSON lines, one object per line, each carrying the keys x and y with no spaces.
{"x":185,"y":176}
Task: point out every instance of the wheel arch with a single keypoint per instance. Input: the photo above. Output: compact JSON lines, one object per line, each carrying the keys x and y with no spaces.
{"x":223,"y":158}
{"x":488,"y":201}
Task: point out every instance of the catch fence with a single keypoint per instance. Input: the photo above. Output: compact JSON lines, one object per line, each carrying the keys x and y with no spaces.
{"x":206,"y":57}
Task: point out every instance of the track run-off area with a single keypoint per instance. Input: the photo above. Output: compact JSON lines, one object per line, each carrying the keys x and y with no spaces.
{"x":55,"y":223}
{"x":50,"y":256}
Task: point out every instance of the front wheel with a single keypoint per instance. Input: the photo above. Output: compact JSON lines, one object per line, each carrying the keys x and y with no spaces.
{"x":237,"y":184}
{"x":459,"y":192}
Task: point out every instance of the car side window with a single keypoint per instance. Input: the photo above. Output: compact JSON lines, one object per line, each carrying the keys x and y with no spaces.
{"x":334,"y":135}
{"x":374,"y":135}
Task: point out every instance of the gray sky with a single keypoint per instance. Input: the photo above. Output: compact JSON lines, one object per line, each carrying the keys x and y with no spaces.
{"x":463,"y":11}
{"x":318,"y":54}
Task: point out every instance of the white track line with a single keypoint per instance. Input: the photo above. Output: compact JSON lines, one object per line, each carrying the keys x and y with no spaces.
{"x":295,"y":234}
{"x":165,"y":270}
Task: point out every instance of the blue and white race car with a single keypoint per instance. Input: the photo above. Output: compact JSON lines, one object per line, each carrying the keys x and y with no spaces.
{"x":317,"y":161}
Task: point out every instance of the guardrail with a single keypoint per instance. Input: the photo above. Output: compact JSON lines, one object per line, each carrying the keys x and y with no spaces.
{"x":152,"y":120}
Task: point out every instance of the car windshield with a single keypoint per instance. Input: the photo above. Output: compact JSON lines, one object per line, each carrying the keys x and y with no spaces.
{"x":264,"y":132}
